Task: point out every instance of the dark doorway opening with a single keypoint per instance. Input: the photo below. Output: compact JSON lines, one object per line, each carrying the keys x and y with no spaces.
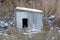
{"x":24,"y":22}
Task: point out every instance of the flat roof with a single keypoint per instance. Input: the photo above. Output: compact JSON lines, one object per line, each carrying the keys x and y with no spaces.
{"x":28,"y":9}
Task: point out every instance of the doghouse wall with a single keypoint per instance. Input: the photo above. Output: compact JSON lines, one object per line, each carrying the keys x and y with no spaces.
{"x":19,"y":17}
{"x":34,"y":19}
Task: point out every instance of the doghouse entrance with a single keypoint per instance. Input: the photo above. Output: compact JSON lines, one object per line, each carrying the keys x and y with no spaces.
{"x":24,"y":23}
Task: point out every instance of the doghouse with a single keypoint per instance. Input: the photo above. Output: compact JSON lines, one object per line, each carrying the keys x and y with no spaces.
{"x":28,"y":18}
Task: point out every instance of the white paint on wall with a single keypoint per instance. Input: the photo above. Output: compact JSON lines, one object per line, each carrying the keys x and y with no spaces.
{"x":19,"y":17}
{"x":39,"y":24}
{"x":30,"y":21}
{"x":34,"y":20}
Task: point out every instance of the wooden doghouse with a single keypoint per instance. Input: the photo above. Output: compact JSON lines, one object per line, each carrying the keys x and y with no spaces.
{"x":28,"y":18}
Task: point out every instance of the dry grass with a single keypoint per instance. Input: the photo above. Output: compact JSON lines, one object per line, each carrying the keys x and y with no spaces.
{"x":48,"y":6}
{"x":14,"y":34}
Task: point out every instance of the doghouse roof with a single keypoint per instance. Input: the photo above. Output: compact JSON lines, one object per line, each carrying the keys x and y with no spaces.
{"x":28,"y":9}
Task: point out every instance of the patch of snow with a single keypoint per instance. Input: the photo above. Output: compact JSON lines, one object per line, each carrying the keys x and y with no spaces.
{"x":53,"y":38}
{"x":6,"y":24}
{"x":58,"y":31}
{"x":32,"y":32}
{"x":51,"y":28}
{"x":29,"y":9}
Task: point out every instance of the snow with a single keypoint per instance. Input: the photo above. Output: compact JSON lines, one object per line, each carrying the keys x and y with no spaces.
{"x":32,"y":32}
{"x":6,"y":24}
{"x":29,"y":9}
{"x":51,"y":28}
{"x":58,"y":31}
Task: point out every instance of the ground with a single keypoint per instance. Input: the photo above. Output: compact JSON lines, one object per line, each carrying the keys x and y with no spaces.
{"x":14,"y":34}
